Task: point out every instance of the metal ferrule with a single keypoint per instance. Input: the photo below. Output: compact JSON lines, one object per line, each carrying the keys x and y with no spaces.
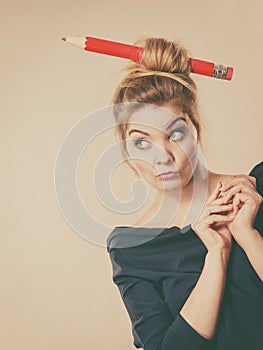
{"x":219,"y":71}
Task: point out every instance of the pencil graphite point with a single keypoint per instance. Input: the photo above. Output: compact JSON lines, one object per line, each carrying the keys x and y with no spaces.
{"x":64,"y":39}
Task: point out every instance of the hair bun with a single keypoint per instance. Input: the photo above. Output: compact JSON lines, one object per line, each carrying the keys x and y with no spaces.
{"x":163,"y":55}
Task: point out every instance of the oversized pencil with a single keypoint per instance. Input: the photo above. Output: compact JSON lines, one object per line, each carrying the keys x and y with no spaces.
{"x":134,"y":53}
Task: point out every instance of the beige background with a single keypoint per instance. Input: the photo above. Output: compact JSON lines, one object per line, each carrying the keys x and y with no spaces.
{"x":56,"y":288}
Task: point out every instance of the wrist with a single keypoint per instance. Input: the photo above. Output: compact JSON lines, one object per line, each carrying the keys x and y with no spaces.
{"x":221,"y":254}
{"x":249,"y":237}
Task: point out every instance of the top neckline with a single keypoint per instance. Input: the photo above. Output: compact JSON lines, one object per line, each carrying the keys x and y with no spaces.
{"x":182,"y":229}
{"x":144,"y":227}
{"x":128,"y":236}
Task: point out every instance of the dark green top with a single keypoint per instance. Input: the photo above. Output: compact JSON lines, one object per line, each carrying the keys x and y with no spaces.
{"x":156,"y":277}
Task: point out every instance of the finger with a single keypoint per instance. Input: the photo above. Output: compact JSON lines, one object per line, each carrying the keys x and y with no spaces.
{"x":237,"y":179}
{"x":246,"y":185}
{"x":217,"y":218}
{"x":236,"y":202}
{"x":218,"y":208}
{"x":219,"y":201}
{"x":237,"y":189}
{"x":231,"y":193}
{"x":249,"y":178}
{"x":228,"y":183}
{"x":245,"y":197}
{"x":253,"y":180}
{"x":215,"y":193}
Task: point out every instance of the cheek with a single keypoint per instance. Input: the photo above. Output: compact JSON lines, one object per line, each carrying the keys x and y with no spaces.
{"x":140,"y":156}
{"x":188,"y":149}
{"x":144,"y":166}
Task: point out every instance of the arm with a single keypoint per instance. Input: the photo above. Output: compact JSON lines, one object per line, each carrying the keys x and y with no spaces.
{"x":247,"y":227}
{"x":202,"y":307}
{"x":252,"y":244}
{"x":154,"y":325}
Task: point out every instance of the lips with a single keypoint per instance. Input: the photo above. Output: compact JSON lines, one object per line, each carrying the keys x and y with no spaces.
{"x":169,"y":175}
{"x":168,"y":172}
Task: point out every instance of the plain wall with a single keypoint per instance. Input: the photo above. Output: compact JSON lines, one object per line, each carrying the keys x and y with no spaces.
{"x":56,"y":287}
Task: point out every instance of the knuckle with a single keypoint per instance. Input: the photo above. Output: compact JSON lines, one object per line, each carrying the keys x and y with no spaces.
{"x":246,"y":178}
{"x":243,"y":180}
{"x":253,"y":179}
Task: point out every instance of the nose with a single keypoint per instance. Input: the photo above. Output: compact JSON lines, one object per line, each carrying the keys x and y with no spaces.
{"x":163,"y":154}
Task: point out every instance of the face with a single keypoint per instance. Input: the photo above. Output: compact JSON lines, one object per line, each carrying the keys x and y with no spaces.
{"x":161,"y":140}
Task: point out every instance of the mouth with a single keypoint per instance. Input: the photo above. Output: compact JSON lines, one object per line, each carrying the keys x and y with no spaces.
{"x":167,"y":175}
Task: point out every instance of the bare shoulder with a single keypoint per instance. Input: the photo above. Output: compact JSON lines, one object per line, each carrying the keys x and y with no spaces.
{"x":215,"y":177}
{"x":226,"y":177}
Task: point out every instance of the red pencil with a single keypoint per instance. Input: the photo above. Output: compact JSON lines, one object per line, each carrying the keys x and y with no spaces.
{"x":134,"y":53}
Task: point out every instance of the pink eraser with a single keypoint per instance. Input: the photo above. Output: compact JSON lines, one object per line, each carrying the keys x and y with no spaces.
{"x":229,"y":73}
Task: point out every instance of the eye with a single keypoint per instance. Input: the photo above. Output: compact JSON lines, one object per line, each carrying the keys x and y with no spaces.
{"x":177,"y":134}
{"x":141,"y":143}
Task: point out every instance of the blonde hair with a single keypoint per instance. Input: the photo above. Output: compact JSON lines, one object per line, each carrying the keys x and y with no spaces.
{"x":162,"y":77}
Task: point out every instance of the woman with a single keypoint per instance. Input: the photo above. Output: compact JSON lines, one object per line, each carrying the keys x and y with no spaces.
{"x":194,"y":283}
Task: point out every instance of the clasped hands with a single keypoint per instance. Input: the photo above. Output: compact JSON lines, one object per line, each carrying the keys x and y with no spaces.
{"x":240,"y":191}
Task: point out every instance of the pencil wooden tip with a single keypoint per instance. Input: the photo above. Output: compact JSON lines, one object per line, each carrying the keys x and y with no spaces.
{"x":63,"y":39}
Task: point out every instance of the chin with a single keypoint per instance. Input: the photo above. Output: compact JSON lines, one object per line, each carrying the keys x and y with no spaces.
{"x":168,"y":185}
{"x":173,"y":187}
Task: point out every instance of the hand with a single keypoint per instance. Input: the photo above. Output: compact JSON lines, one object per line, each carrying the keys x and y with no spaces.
{"x":241,"y":192}
{"x":211,"y":227}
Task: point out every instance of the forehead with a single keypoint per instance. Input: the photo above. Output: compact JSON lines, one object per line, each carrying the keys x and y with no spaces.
{"x":152,"y":116}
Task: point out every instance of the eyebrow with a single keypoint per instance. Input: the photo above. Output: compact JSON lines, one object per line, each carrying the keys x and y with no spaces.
{"x":168,"y":127}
